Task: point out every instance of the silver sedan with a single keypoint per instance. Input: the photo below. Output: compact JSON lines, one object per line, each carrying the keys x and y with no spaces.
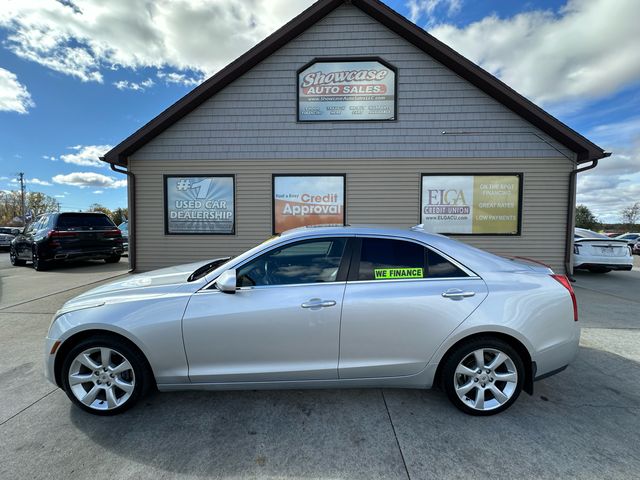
{"x":321,"y":307}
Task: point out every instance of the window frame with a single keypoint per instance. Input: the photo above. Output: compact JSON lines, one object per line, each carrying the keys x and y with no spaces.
{"x":343,"y":268}
{"x":354,"y":266}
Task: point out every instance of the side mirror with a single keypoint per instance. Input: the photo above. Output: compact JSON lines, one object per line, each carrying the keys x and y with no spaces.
{"x":226,"y":282}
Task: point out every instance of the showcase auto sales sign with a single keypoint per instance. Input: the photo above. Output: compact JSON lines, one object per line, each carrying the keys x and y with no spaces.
{"x":333,"y":91}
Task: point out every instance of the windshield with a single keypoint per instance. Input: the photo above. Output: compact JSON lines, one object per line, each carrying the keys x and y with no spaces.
{"x":207,"y":267}
{"x":584,"y":233}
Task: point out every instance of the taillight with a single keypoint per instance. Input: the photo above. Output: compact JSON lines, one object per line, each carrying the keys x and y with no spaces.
{"x":564,"y":281}
{"x":112,"y":233}
{"x":60,"y":234}
{"x":576,"y":249}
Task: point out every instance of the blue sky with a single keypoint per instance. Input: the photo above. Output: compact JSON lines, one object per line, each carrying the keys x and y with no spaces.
{"x":78,"y":77}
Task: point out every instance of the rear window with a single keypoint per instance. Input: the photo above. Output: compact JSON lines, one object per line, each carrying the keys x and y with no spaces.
{"x":84,"y":221}
{"x":584,"y":233}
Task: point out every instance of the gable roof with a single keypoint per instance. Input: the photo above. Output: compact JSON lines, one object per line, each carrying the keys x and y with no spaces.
{"x":584,"y":148}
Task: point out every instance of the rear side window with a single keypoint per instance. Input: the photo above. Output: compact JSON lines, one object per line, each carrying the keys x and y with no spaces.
{"x":70,"y":221}
{"x":386,"y":259}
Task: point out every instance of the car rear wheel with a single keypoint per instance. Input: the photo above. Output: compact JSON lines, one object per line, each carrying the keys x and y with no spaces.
{"x":112,"y":259}
{"x":38,"y":264}
{"x":13,"y":258}
{"x":483,"y":377}
{"x":105,"y":376}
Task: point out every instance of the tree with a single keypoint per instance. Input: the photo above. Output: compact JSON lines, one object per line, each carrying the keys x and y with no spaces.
{"x":631,"y":215}
{"x":96,"y":207}
{"x":39,"y":203}
{"x":585,"y":218}
{"x":119,"y":215}
{"x":36,"y":202}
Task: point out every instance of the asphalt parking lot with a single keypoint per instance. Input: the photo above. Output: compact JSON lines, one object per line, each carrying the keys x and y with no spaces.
{"x":582,"y":423}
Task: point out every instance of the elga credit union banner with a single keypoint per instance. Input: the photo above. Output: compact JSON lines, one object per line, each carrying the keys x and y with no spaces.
{"x":201,"y":205}
{"x":346,"y":91}
{"x":474,"y":204}
{"x":307,"y":200}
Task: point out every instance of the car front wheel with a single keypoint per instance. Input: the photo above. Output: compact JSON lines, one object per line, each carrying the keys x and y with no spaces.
{"x":104,"y":375}
{"x":112,"y":259}
{"x":13,"y":258}
{"x":483,"y":377}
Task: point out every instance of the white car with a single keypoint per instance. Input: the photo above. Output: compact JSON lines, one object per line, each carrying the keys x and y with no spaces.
{"x":630,"y":238}
{"x":600,"y":254}
{"x":321,"y":307}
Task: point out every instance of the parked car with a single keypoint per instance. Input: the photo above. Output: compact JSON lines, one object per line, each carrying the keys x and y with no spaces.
{"x":600,"y":254}
{"x":124,"y":229}
{"x":57,"y":237}
{"x":6,"y":235}
{"x":631,"y":238}
{"x":321,"y":307}
{"x":636,"y":248}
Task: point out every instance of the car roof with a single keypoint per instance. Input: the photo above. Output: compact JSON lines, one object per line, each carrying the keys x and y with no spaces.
{"x":471,"y":257}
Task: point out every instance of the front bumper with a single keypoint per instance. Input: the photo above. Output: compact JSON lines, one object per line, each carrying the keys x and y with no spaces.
{"x":49,"y":360}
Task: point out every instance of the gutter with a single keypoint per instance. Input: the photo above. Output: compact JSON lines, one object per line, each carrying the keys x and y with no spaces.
{"x":568,"y":260}
{"x":132,"y":210}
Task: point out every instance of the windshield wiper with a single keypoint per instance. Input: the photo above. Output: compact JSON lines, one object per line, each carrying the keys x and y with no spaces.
{"x":207,"y":267}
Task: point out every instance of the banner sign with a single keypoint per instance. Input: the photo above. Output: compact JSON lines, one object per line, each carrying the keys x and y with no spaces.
{"x":471,"y":204}
{"x":299,"y":201}
{"x":199,"y":205}
{"x":356,"y":90}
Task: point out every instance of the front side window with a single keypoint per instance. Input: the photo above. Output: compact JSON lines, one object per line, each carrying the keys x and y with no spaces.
{"x":386,"y":259}
{"x":308,"y":261}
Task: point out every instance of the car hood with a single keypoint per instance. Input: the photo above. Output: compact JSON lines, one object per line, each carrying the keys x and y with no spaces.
{"x":170,"y":280}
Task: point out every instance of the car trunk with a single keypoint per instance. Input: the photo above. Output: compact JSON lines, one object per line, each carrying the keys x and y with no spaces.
{"x":602,"y":247}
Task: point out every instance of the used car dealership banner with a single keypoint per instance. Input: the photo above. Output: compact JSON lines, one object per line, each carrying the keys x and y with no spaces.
{"x":199,"y":205}
{"x":359,"y":90}
{"x":471,"y":204}
{"x":307,"y":200}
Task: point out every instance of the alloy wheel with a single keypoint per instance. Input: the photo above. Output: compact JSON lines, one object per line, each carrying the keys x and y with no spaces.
{"x":485,"y":379}
{"x":101,"y":378}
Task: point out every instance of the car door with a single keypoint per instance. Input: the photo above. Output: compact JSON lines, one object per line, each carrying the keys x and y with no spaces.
{"x":23,"y":246}
{"x":401,"y":302}
{"x":283,"y":322}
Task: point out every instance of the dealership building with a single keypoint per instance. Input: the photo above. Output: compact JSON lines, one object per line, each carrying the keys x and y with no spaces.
{"x":351,"y":114}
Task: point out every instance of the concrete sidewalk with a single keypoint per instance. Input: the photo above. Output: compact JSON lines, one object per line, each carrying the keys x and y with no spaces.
{"x":582,"y":423}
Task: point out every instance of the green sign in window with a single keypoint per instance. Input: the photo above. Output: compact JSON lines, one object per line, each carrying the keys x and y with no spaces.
{"x":396,"y":273}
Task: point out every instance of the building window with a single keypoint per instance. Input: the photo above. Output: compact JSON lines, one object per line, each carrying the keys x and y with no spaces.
{"x":199,"y":204}
{"x":482,"y":204}
{"x":305,"y":200}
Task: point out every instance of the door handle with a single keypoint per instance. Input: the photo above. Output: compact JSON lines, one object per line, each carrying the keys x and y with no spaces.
{"x":317,"y":303}
{"x":457,"y":294}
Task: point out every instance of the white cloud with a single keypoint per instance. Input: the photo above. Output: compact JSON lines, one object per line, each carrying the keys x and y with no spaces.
{"x":135,"y":86}
{"x":37,"y":181}
{"x":86,"y":155}
{"x":587,"y":50}
{"x":88,"y":37}
{"x":50,"y":157}
{"x":14,"y":96}
{"x":180,"y":78}
{"x":89,"y":179}
{"x":420,"y":8}
{"x":60,"y":196}
{"x":98,"y":192}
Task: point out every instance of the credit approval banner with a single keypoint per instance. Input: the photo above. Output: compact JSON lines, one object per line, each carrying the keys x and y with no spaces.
{"x":199,"y":205}
{"x":302,"y":200}
{"x":471,"y":204}
{"x":357,"y":90}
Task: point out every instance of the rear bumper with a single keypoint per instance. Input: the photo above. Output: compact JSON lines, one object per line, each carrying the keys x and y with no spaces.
{"x":70,"y":255}
{"x":610,"y":266}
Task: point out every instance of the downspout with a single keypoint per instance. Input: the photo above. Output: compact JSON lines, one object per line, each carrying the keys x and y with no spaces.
{"x":132,"y":210}
{"x":568,"y":263}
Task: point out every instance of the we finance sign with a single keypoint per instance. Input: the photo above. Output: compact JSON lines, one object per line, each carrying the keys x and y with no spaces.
{"x":347,"y":90}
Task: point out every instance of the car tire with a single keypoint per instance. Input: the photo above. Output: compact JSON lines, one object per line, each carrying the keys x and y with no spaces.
{"x":13,"y":258}
{"x":112,"y":259}
{"x":38,"y":264}
{"x":599,"y":270}
{"x":484,"y":389}
{"x":105,"y":386}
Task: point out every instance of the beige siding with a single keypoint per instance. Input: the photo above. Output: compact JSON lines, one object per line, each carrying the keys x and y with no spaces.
{"x":379,"y":191}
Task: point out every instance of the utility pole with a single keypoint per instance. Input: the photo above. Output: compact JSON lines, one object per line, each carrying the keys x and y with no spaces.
{"x":22,"y":206}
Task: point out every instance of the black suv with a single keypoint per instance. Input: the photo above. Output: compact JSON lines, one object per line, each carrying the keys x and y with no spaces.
{"x":57,"y":237}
